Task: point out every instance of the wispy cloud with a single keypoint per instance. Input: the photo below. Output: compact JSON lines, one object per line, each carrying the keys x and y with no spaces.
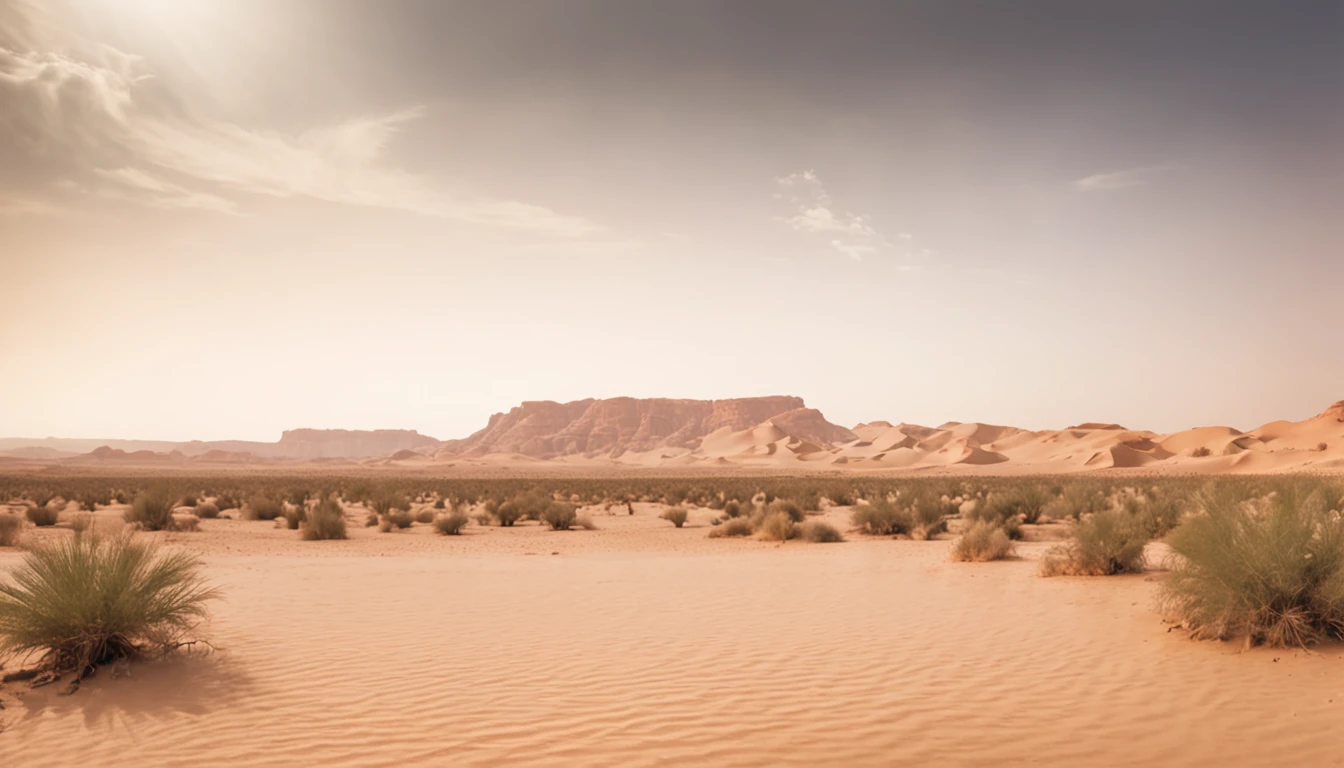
{"x":1124,"y":179}
{"x":813,"y":212}
{"x":96,"y":121}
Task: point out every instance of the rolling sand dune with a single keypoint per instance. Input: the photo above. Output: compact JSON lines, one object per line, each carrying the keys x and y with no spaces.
{"x":765,"y":433}
{"x":639,"y":645}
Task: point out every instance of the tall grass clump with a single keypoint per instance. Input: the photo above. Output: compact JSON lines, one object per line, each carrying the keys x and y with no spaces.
{"x":675,"y":515}
{"x":982,"y":542}
{"x":151,"y":510}
{"x":324,"y":521}
{"x":88,"y":600}
{"x":1270,"y":570}
{"x":11,"y":529}
{"x":1102,"y":544}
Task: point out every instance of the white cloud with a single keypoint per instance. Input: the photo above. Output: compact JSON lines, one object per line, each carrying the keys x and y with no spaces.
{"x":813,"y":213}
{"x":97,"y":118}
{"x":1124,"y":179}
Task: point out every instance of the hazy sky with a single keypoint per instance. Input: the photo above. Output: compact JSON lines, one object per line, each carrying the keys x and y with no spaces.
{"x":224,"y":218}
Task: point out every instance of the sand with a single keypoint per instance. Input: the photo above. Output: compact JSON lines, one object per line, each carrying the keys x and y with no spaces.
{"x":640,"y":644}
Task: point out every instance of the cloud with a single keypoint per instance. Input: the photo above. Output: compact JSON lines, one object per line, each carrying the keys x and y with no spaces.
{"x":101,"y":121}
{"x":812,"y":212}
{"x":1130,"y":177}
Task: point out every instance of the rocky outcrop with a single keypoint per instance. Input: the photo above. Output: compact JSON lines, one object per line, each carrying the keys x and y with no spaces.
{"x":545,"y":429}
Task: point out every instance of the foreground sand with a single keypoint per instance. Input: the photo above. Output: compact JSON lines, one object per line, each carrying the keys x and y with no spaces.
{"x":639,"y":644}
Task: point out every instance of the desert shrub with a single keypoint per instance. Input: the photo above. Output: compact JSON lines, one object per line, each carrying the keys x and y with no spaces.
{"x":924,"y":511}
{"x":424,"y":516}
{"x":1201,"y":452}
{"x":731,"y":508}
{"x":88,"y":600}
{"x":841,"y":498}
{"x":190,"y":500}
{"x":998,"y":510}
{"x":450,"y":524}
{"x":1270,"y":570}
{"x":324,"y":521}
{"x":982,"y":542}
{"x":11,"y":529}
{"x":1321,"y":447}
{"x":371,"y":519}
{"x":1027,"y":500}
{"x":776,"y":525}
{"x":439,"y":503}
{"x":881,"y":518}
{"x":819,"y":532}
{"x":207,"y":511}
{"x":385,"y":503}
{"x":401,"y":519}
{"x":483,"y":518}
{"x":1102,"y":544}
{"x":151,"y":510}
{"x":1155,"y":516}
{"x":733,"y":526}
{"x":507,"y":514}
{"x":559,"y":515}
{"x":292,"y":517}
{"x":262,"y":508}
{"x":675,"y":515}
{"x":225,"y":501}
{"x":89,"y":502}
{"x":1078,"y":499}
{"x":716,"y":503}
{"x":787,"y":507}
{"x":43,"y":516}
{"x":81,"y":522}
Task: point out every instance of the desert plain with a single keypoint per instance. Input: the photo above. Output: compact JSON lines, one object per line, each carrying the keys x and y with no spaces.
{"x":620,"y":638}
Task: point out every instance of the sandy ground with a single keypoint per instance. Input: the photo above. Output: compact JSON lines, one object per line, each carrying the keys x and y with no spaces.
{"x":639,"y":644}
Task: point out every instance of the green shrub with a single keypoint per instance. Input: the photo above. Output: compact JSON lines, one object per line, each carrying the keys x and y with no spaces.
{"x":1102,"y":544}
{"x":11,"y":529}
{"x":151,"y":510}
{"x":43,"y":516}
{"x":1270,"y":570}
{"x":981,"y":542}
{"x":559,"y":515}
{"x":998,"y":510}
{"x":675,"y":515}
{"x":450,"y":524}
{"x":87,"y":600}
{"x":324,"y":521}
{"x":262,"y":508}
{"x":819,"y":532}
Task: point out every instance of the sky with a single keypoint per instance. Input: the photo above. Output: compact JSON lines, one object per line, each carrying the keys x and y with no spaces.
{"x":220,"y":219}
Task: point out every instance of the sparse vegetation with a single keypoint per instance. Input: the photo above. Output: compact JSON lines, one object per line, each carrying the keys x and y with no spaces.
{"x":733,"y":526}
{"x":1102,"y":544}
{"x":152,"y":511}
{"x":43,"y":516}
{"x":559,"y":515}
{"x":1201,"y":452}
{"x":675,"y":515}
{"x":819,"y":532}
{"x":324,"y":521}
{"x":207,"y":511}
{"x":87,"y":600}
{"x":11,"y":529}
{"x":776,"y":526}
{"x":1269,"y":570}
{"x":981,"y":542}
{"x":450,"y":524}
{"x":262,"y":508}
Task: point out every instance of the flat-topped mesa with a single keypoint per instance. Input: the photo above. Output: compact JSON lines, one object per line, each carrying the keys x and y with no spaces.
{"x":348,"y":443}
{"x":545,"y":429}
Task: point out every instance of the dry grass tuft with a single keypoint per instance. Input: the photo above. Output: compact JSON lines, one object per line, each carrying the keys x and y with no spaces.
{"x":1103,"y":544}
{"x":451,"y":524}
{"x":982,"y":542}
{"x":325,"y":521}
{"x":819,"y":532}
{"x":675,"y":515}
{"x":87,"y":600}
